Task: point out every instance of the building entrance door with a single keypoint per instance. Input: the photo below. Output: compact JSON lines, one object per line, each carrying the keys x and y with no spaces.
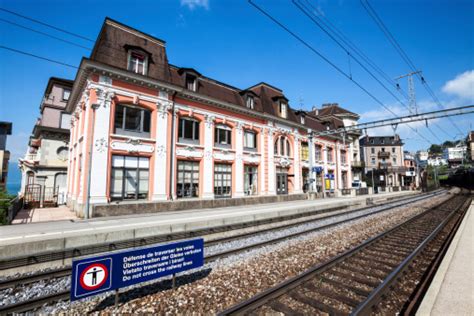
{"x":282,"y":183}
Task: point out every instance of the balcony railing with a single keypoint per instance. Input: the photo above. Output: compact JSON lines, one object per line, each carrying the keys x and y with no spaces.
{"x":383,"y":154}
{"x":384,"y":165}
{"x":357,"y":164}
{"x":32,"y":157}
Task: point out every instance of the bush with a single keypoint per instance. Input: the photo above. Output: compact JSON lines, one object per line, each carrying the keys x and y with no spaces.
{"x":5,"y":199}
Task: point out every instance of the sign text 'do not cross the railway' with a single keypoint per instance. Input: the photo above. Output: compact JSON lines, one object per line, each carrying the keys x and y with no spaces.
{"x":104,"y":273}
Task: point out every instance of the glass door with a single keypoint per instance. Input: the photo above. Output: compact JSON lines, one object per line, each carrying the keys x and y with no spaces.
{"x":222,"y":180}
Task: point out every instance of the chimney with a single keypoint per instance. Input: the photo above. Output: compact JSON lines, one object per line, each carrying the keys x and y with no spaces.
{"x":315,"y":110}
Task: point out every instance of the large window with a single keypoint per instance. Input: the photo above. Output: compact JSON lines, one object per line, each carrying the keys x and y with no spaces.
{"x":304,"y":151}
{"x":130,"y":177}
{"x":343,"y":156}
{"x":250,"y":140}
{"x":223,"y":136}
{"x":188,"y":130}
{"x":188,"y":179}
{"x":137,"y":62}
{"x":318,"y":149}
{"x":282,"y":146}
{"x":330,"y":154}
{"x":132,"y":121}
{"x":222,"y":180}
{"x":250,"y":180}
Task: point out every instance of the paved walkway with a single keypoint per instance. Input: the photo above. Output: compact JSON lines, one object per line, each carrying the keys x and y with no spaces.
{"x":452,"y":290}
{"x":47,"y":214}
{"x":174,"y":220}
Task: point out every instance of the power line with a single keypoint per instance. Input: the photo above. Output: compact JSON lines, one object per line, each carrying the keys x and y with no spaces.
{"x":38,"y":57}
{"x":48,"y":25}
{"x":373,"y":14}
{"x":44,"y":34}
{"x":304,"y":10}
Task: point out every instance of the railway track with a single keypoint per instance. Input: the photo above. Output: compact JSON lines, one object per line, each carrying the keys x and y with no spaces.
{"x":357,"y":281}
{"x":64,"y":295}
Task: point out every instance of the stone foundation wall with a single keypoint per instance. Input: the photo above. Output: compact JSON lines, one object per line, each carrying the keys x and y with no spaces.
{"x":143,"y":207}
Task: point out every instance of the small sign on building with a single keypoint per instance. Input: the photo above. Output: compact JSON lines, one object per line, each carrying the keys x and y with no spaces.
{"x":104,"y":273}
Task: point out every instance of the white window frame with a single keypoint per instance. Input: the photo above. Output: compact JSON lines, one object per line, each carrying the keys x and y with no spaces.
{"x":254,"y":135}
{"x":283,"y":109}
{"x":64,"y":93}
{"x":135,"y":67}
{"x":250,"y":102}
{"x":193,"y":86}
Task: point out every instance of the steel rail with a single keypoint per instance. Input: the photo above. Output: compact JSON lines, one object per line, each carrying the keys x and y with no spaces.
{"x":140,"y":242}
{"x":366,"y":307}
{"x":264,"y":297}
{"x":64,"y":295}
{"x":66,"y":271}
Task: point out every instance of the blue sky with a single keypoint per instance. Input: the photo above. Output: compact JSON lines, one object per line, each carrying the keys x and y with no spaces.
{"x":232,"y":42}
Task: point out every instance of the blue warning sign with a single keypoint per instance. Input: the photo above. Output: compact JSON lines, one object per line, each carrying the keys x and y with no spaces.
{"x":96,"y":275}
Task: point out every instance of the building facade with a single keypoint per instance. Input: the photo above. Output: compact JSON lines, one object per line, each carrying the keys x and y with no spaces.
{"x":44,"y":166}
{"x":455,"y":156}
{"x":470,"y":146}
{"x":337,"y":117}
{"x":5,"y":130}
{"x":145,"y":130}
{"x":383,"y":156}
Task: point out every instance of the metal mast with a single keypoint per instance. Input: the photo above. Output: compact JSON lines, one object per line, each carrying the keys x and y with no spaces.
{"x":411,"y":91}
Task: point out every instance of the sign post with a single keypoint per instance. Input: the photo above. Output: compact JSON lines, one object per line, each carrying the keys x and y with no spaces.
{"x":92,"y":276}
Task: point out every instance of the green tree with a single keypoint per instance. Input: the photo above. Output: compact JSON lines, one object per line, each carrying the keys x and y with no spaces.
{"x":448,"y":143}
{"x":435,"y":149}
{"x":5,"y":199}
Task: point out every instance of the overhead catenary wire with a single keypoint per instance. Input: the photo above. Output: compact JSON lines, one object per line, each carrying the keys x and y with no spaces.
{"x":303,"y":8}
{"x":379,"y":22}
{"x":315,"y":51}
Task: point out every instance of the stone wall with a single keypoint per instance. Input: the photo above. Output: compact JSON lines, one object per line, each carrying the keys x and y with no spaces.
{"x":142,"y":207}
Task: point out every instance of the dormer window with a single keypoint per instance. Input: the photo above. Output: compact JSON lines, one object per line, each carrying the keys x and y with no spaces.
{"x":137,"y":62}
{"x":302,"y":119}
{"x":283,"y":109}
{"x":250,"y":102}
{"x":191,"y":82}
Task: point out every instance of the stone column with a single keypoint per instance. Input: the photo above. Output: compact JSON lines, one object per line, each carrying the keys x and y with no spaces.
{"x":261,"y":175}
{"x":271,"y":163}
{"x":239,"y":163}
{"x":338,"y":176}
{"x":296,"y":164}
{"x":208,"y":166}
{"x":160,"y":168}
{"x":100,"y":148}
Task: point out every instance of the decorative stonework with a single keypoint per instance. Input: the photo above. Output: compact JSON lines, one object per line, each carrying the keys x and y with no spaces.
{"x":161,"y":151}
{"x":190,"y":152}
{"x":101,"y":145}
{"x":132,"y":146}
{"x":104,"y":97}
{"x":224,"y":155}
{"x":208,"y":154}
{"x":163,"y":108}
{"x":284,"y":162}
{"x":251,"y":158}
{"x":210,"y":120}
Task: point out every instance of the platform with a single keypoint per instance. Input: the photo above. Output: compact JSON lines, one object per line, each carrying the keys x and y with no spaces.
{"x":30,"y":239}
{"x":452,"y":290}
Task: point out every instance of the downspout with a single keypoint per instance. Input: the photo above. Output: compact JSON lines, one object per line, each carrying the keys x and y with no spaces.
{"x":172,"y":176}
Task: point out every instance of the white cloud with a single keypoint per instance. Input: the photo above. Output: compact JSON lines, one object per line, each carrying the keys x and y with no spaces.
{"x":462,"y":86}
{"x":193,"y":4}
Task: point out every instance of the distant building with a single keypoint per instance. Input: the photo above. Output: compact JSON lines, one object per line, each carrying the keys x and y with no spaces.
{"x":44,"y":166}
{"x":436,"y":161}
{"x":5,"y":129}
{"x":470,"y":145}
{"x":383,"y":155}
{"x":421,"y":158}
{"x":411,"y":172}
{"x":455,"y":156}
{"x":340,"y":117}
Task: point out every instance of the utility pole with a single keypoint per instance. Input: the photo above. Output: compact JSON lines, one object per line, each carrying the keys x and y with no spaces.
{"x":411,"y":91}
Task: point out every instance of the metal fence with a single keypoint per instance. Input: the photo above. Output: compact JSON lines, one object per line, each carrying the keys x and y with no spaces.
{"x":39,"y":196}
{"x":15,"y":206}
{"x":362,"y":191}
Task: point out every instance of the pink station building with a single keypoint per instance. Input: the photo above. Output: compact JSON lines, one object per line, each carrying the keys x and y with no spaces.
{"x":147,"y":136}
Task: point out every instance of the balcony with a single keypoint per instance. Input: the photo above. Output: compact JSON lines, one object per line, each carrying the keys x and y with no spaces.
{"x":32,"y":157}
{"x":383,"y":154}
{"x":385,"y":165}
{"x":357,"y":164}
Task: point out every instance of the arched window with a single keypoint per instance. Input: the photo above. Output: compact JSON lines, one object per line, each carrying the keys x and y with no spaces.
{"x":282,"y":146}
{"x":223,"y":135}
{"x":62,"y":153}
{"x":188,"y":130}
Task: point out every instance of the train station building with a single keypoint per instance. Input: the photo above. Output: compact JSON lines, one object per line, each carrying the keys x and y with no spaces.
{"x":145,"y":131}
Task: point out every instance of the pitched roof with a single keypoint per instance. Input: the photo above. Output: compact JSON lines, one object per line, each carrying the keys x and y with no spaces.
{"x":333,"y":109}
{"x":381,"y":141}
